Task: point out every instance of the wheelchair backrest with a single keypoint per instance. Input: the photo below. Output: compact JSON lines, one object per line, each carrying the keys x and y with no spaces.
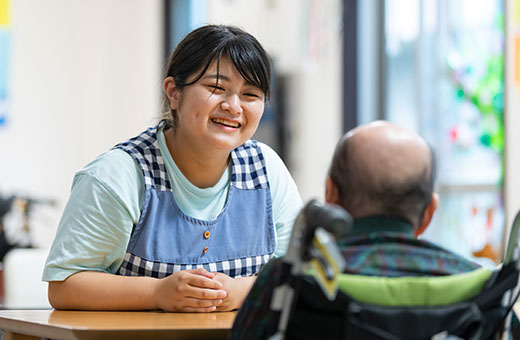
{"x":414,"y":291}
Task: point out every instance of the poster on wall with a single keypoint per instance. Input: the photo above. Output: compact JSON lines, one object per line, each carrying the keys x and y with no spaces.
{"x":4,"y":60}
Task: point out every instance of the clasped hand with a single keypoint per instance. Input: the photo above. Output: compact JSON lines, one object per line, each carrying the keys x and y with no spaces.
{"x":198,"y":290}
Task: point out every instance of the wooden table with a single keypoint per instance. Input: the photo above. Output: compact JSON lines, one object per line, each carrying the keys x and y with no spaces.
{"x":64,"y":325}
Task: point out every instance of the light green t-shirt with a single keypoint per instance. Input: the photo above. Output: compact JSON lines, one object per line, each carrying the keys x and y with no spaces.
{"x":107,"y":198}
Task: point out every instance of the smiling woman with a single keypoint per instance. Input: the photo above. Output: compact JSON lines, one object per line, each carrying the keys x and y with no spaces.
{"x":217,"y":113}
{"x":182,"y":216}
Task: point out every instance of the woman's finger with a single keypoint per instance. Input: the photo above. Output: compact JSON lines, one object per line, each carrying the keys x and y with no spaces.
{"x":202,"y":272}
{"x":199,"y":281}
{"x":204,"y":293}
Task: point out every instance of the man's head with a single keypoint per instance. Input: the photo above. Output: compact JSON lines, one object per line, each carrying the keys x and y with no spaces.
{"x":381,"y":169}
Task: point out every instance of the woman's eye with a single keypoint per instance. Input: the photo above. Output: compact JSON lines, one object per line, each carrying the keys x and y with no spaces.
{"x":252,"y":95}
{"x":216,"y":87}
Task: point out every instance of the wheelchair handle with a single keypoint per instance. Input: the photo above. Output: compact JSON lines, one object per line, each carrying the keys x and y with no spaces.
{"x":330,"y":217}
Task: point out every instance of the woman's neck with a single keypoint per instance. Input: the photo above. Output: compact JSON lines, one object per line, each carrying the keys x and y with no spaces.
{"x":203,"y":168}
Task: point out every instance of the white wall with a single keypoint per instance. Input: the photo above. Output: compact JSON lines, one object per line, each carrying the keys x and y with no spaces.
{"x":304,"y":39}
{"x":512,"y":115}
{"x":84,"y":75}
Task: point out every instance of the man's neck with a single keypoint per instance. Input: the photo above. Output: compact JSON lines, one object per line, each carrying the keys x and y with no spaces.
{"x":379,"y":224}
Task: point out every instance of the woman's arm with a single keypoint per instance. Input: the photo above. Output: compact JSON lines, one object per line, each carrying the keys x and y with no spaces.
{"x":185,"y":291}
{"x":95,"y":228}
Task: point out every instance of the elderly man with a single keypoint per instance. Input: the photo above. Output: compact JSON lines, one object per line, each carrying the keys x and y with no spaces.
{"x":383,"y":175}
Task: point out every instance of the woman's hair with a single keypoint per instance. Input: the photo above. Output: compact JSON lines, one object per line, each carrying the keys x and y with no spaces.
{"x":201,"y":47}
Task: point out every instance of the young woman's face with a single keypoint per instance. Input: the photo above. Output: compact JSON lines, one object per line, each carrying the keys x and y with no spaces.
{"x":221,"y":116}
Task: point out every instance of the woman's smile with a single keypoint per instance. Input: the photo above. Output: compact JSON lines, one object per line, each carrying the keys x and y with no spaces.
{"x":226,"y":122}
{"x":220,"y":111}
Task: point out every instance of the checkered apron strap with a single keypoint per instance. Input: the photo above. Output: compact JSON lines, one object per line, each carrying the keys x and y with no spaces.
{"x":144,"y":148}
{"x":249,"y":170}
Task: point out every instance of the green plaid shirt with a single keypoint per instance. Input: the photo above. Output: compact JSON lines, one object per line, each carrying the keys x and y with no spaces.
{"x":387,"y":247}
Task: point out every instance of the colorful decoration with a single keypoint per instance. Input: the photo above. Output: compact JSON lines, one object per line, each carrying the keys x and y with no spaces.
{"x":488,"y":97}
{"x":476,"y":73}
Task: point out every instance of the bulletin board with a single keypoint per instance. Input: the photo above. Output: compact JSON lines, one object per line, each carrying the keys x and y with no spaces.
{"x":5,"y":36}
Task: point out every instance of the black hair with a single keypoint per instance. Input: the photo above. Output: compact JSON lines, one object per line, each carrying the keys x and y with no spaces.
{"x":201,"y":47}
{"x":406,"y":200}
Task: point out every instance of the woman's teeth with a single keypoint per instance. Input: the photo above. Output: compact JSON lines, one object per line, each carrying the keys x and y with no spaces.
{"x":225,"y":122}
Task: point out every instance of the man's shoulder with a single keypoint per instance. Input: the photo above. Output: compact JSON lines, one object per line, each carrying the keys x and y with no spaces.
{"x":395,"y":254}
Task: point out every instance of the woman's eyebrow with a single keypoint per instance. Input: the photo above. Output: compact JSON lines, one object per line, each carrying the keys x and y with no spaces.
{"x":217,"y":76}
{"x":226,"y":78}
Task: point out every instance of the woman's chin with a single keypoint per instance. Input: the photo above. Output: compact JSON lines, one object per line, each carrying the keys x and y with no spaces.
{"x":227,"y":142}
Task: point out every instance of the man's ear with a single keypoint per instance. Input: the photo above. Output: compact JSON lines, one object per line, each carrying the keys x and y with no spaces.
{"x":428,"y":215}
{"x":172,"y":92}
{"x":331,"y":192}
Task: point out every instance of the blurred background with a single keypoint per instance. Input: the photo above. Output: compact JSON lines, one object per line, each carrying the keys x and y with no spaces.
{"x":77,"y":77}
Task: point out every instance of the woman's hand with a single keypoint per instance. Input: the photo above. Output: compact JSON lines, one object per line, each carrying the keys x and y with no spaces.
{"x":236,"y":289}
{"x":195,"y":290}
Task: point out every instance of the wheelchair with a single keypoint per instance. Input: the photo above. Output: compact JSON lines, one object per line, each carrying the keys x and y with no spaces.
{"x":288,"y":301}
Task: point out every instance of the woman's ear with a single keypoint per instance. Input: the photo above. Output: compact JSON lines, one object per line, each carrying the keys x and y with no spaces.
{"x":172,"y":92}
{"x":331,"y":192}
{"x":428,"y":215}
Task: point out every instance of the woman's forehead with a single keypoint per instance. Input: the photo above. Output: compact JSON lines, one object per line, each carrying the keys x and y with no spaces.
{"x":221,"y":66}
{"x":224,"y":70}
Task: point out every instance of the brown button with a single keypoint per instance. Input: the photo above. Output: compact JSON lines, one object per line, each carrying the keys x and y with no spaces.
{"x":206,"y":234}
{"x":205,"y":249}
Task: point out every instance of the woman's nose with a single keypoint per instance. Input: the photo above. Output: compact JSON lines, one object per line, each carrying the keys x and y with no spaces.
{"x":232,"y":104}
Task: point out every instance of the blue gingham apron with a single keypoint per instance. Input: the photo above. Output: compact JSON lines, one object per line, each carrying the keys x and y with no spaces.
{"x":237,"y":243}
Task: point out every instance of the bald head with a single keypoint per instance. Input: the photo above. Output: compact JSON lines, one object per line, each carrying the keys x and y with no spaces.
{"x":383,"y":169}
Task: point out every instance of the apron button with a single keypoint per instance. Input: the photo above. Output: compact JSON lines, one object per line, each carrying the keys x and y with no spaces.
{"x":206,"y":234}
{"x":205,"y":250}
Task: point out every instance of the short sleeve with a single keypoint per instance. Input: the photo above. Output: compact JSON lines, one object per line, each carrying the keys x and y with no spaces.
{"x":96,"y":224}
